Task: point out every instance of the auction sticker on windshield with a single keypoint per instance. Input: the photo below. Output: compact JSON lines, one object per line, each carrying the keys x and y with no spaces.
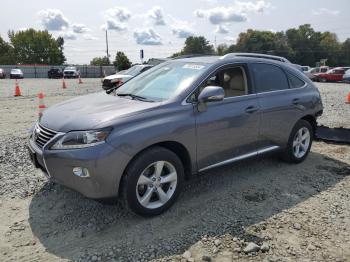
{"x":193,"y":66}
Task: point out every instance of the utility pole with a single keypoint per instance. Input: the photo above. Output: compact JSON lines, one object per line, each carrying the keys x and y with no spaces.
{"x":107,"y":43}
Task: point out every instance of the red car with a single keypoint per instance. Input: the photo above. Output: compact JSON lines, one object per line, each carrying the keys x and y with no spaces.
{"x":332,"y":75}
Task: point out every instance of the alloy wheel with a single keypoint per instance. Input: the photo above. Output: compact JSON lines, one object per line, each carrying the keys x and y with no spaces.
{"x":301,"y":142}
{"x":156,"y":184}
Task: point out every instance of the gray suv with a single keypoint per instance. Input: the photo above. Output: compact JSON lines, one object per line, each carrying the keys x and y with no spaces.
{"x":142,"y":141}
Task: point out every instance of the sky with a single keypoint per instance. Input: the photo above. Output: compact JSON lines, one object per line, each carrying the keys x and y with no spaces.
{"x":160,"y":27}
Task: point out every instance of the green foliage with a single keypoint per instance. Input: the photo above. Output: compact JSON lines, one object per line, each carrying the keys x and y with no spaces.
{"x":121,"y":62}
{"x":6,"y":53}
{"x":36,"y":47}
{"x":302,"y":45}
{"x":100,"y":61}
{"x":196,"y":45}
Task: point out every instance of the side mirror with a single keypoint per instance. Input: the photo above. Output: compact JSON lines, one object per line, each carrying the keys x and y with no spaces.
{"x":211,"y":94}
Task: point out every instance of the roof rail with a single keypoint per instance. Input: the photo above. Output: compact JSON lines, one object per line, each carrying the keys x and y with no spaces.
{"x":256,"y":55}
{"x":191,"y":55}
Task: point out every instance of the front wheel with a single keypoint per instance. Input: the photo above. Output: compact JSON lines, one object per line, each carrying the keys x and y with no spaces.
{"x":152,"y":181}
{"x":299,"y":143}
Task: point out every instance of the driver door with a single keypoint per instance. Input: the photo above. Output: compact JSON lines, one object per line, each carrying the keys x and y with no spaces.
{"x":229,"y":128}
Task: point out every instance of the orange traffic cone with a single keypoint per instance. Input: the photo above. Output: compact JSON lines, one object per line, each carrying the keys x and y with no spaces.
{"x":17,"y":89}
{"x":64,"y":85}
{"x":80,"y":81}
{"x":348,"y":99}
{"x":41,"y":104}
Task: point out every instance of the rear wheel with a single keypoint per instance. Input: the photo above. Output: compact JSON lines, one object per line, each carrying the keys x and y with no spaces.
{"x":299,"y":143}
{"x":323,"y":80}
{"x":152,"y":181}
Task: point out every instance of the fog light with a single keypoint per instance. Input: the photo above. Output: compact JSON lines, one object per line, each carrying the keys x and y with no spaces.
{"x":81,"y":172}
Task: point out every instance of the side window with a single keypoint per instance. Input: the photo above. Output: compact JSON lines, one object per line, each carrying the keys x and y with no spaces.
{"x":269,"y":78}
{"x":294,"y":81}
{"x":233,"y":80}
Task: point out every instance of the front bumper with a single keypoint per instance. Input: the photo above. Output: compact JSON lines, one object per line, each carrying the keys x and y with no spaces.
{"x":104,"y":162}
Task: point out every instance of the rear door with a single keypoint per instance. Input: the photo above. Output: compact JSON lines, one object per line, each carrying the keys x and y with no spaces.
{"x":337,"y":74}
{"x":228,"y":128}
{"x":281,"y":102}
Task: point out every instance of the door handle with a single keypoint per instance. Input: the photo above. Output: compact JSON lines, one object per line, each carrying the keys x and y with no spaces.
{"x":251,"y":109}
{"x":296,"y":101}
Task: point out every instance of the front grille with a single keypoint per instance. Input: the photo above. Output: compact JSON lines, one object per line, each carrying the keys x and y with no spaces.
{"x":42,"y":135}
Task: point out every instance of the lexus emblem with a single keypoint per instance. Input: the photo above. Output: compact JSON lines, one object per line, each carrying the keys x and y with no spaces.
{"x":36,"y":133}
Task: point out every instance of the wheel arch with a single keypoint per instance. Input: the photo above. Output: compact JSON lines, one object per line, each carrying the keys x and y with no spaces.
{"x":179,"y":149}
{"x":312,"y":120}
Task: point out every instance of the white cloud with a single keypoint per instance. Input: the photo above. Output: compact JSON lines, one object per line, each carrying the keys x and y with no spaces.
{"x":325,"y":11}
{"x":112,"y":24}
{"x":147,"y":36}
{"x":119,"y":13}
{"x":53,"y":19}
{"x":68,"y":35}
{"x":115,"y":19}
{"x":80,"y":28}
{"x":89,"y":37}
{"x":182,"y":30}
{"x":156,"y":14}
{"x":221,"y":29}
{"x":238,"y":12}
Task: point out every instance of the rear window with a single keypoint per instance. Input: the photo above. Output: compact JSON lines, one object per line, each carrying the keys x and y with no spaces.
{"x":269,"y":78}
{"x":294,"y":81}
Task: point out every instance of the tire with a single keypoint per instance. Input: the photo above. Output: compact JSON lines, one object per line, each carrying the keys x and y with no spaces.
{"x":142,"y":189}
{"x":291,"y":154}
{"x":323,"y":80}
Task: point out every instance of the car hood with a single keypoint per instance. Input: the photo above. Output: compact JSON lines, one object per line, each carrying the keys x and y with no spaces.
{"x":92,"y":111}
{"x":111,"y":77}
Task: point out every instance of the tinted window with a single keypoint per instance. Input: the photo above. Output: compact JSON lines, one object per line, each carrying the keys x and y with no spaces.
{"x":269,"y":78}
{"x":339,"y":71}
{"x":232,"y":80}
{"x":295,"y":82}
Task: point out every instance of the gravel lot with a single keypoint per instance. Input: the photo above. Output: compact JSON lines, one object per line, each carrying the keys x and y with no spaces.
{"x":256,"y":210}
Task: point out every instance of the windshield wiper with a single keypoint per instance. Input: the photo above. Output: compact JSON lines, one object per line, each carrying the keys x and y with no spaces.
{"x":141,"y":98}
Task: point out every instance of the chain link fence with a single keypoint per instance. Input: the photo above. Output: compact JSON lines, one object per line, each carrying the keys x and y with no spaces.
{"x":40,"y":71}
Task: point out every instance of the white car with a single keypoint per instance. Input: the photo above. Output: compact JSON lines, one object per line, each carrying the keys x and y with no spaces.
{"x":16,"y":74}
{"x":346,"y":76}
{"x":123,"y":76}
{"x":71,"y":72}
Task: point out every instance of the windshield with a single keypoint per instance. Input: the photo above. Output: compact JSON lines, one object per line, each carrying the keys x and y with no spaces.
{"x":163,"y":81}
{"x":70,"y":68}
{"x":16,"y":71}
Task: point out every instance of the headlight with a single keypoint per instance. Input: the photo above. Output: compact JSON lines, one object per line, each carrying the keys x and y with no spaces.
{"x":81,"y":139}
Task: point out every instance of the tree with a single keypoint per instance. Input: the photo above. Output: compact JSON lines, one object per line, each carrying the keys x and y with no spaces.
{"x":100,"y":61}
{"x":36,"y":47}
{"x":222,"y":49}
{"x":196,"y":45}
{"x":121,"y":62}
{"x":6,"y":53}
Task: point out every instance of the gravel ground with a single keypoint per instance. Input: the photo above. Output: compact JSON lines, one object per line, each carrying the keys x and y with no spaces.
{"x":256,"y":210}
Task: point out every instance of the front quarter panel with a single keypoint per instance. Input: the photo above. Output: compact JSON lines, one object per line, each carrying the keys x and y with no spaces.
{"x":175,"y":123}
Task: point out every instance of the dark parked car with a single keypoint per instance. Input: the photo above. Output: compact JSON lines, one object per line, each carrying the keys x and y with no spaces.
{"x":143,"y":140}
{"x":2,"y":74}
{"x":55,"y":73}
